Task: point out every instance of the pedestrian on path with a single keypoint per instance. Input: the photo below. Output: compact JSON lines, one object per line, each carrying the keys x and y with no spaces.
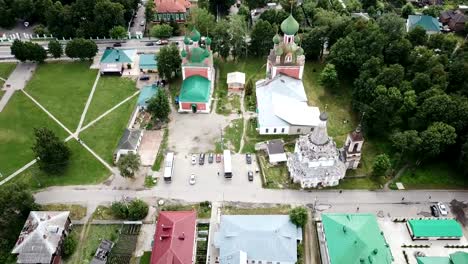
{"x":402,"y":198}
{"x":357,"y":209}
{"x":429,"y":197}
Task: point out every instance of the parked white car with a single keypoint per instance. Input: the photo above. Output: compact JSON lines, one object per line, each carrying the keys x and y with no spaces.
{"x":442,"y":209}
{"x":192,"y":179}
{"x":194,"y":159}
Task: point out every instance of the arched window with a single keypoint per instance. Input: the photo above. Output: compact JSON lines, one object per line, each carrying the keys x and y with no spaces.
{"x":288,"y":58}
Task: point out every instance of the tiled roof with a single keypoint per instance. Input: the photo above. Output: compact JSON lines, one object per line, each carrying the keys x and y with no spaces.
{"x":172,"y":6}
{"x":174,"y":238}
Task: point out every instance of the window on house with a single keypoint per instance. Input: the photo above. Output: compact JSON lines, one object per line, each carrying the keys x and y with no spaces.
{"x":298,"y":130}
{"x":288,"y":58}
{"x":311,"y":129}
{"x":282,"y":130}
{"x":266,"y":130}
{"x":274,"y":130}
{"x":355,"y":147}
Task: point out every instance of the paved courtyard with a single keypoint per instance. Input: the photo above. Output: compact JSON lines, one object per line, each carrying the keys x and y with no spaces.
{"x":149,"y":146}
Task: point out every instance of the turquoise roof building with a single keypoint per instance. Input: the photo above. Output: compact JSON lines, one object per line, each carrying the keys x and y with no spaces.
{"x":195,"y":89}
{"x":430,"y":24}
{"x":455,"y":258}
{"x":146,"y":93}
{"x":355,"y":239}
{"x":435,"y":228}
{"x":118,"y":56}
{"x":265,"y":238}
{"x":148,"y":62}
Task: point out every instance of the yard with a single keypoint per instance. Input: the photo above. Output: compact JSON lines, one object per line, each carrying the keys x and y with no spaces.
{"x":258,"y":210}
{"x":232,"y":135}
{"x":436,"y":175}
{"x":63,"y":89}
{"x":103,"y":136}
{"x":146,"y":258}
{"x":276,"y":177}
{"x":110,"y":91}
{"x":91,"y":240}
{"x":17,"y":122}
{"x":77,"y":212}
{"x":83,"y":169}
{"x":5,"y":70}
{"x":203,"y":209}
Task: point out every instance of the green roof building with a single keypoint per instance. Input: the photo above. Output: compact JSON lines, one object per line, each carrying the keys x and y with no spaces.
{"x":113,"y":61}
{"x":195,"y":89}
{"x":354,"y":239}
{"x":430,"y":24}
{"x":148,"y":62}
{"x":434,"y":229}
{"x":455,"y":258}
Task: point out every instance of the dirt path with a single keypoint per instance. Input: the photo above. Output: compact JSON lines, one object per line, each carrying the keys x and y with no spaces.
{"x":311,"y":247}
{"x":399,"y":173}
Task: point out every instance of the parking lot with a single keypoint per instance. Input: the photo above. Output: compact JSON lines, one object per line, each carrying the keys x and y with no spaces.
{"x":207,"y":179}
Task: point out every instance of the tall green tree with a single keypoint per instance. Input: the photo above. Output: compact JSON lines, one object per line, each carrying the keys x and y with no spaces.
{"x":107,"y":14}
{"x":169,"y":61}
{"x":129,"y":164}
{"x":436,"y":138}
{"x":53,"y":153}
{"x":118,"y":32}
{"x":161,"y":31}
{"x":7,"y":16}
{"x":406,"y":142}
{"x":159,"y":106}
{"x":261,"y":38}
{"x":221,"y":42}
{"x":381,"y":165}
{"x":24,"y":51}
{"x":150,"y":11}
{"x":298,"y":216}
{"x":81,"y":48}
{"x":202,"y":20}
{"x":329,"y":76}
{"x":238,"y":32}
{"x":55,"y":48}
{"x":16,"y":201}
{"x":406,"y":10}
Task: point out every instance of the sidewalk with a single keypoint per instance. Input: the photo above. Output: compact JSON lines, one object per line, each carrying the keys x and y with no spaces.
{"x":17,"y":81}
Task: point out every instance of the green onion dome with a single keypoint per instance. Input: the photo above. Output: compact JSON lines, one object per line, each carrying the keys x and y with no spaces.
{"x":276,"y":39}
{"x":195,"y":35}
{"x":290,"y":26}
{"x":183,"y":53}
{"x":186,"y":40}
{"x":208,"y":41}
{"x":197,"y":55}
{"x":279,"y":51}
{"x":297,"y":39}
{"x":300,"y":51}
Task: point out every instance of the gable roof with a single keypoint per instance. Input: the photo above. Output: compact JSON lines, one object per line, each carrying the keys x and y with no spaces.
{"x":172,"y":6}
{"x":435,"y":228}
{"x":282,"y":101}
{"x":40,"y":236}
{"x":458,"y":257}
{"x":262,"y":237}
{"x":129,"y":139}
{"x":355,"y":238}
{"x":236,"y":77}
{"x":118,"y":56}
{"x":195,"y":89}
{"x":148,"y":62}
{"x":428,"y":23}
{"x":147,"y":92}
{"x":174,"y":237}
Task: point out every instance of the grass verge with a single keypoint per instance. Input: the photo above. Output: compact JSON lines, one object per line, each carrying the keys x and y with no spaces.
{"x":436,"y":175}
{"x":276,"y":177}
{"x":103,"y":213}
{"x":145,"y":259}
{"x":77,"y":212}
{"x":233,"y":134}
{"x":150,"y":181}
{"x":5,"y":70}
{"x":203,"y":209}
{"x":267,"y":210}
{"x":161,"y":152}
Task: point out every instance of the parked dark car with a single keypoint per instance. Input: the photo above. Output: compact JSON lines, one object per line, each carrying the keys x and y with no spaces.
{"x":434,"y":211}
{"x":118,"y":44}
{"x":250,"y":175}
{"x":149,"y":44}
{"x":210,"y":158}
{"x":201,"y":161}
{"x":248,"y":158}
{"x":218,"y":158}
{"x":144,"y":78}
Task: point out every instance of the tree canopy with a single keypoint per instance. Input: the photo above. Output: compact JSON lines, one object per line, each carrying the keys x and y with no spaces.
{"x":169,"y":61}
{"x":52,"y":152}
{"x":28,"y":51}
{"x":159,"y":106}
{"x":299,"y":216}
{"x":129,"y":164}
{"x":161,"y":31}
{"x":81,"y":48}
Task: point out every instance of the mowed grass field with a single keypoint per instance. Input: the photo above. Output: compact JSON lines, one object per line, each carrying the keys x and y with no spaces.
{"x":5,"y":71}
{"x":104,"y":135}
{"x":110,"y":91}
{"x":63,"y":89}
{"x":17,"y":122}
{"x":82,"y":169}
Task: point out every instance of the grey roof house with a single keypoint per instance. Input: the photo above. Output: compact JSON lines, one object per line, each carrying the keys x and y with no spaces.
{"x":41,"y":238}
{"x":259,"y":238}
{"x":129,"y":143}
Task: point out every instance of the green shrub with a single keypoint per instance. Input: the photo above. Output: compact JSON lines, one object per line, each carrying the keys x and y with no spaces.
{"x":298,"y":216}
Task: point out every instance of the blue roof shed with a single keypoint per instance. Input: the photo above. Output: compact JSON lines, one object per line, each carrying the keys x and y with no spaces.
{"x":148,"y":62}
{"x":146,"y":93}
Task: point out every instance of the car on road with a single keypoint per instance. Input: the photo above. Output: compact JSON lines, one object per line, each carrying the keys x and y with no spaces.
{"x":434,"y":211}
{"x":149,"y":44}
{"x":250,"y":175}
{"x":442,"y":208}
{"x":218,"y":158}
{"x":248,"y":158}
{"x":117,"y":44}
{"x":162,"y":42}
{"x":194,"y":159}
{"x":192,"y":179}
{"x":201,"y":160}
{"x":142,"y":23}
{"x":144,"y":78}
{"x":210,"y":158}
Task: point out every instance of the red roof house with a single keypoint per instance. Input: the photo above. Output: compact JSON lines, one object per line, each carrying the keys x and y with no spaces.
{"x":174,"y":240}
{"x":167,"y":10}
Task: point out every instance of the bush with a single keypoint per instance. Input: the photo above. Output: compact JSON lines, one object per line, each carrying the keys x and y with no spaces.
{"x":298,"y":216}
{"x":134,"y":210}
{"x":69,"y":245}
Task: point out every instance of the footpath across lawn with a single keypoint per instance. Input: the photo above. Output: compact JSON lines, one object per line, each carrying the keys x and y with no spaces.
{"x":104,"y":135}
{"x":17,"y":122}
{"x":110,"y":91}
{"x":83,"y":169}
{"x":63,"y":89}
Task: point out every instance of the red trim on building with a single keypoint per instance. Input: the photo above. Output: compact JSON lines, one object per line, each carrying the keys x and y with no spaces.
{"x":291,"y":72}
{"x":190,"y":71}
{"x":188,"y":106}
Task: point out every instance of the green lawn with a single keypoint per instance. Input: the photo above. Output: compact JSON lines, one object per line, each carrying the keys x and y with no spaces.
{"x":17,"y":122}
{"x":436,"y":175}
{"x":77,"y":211}
{"x":268,"y":210}
{"x":254,"y":68}
{"x":104,"y":135}
{"x":145,"y":259}
{"x":203,"y":210}
{"x":104,"y":213}
{"x":63,"y":89}
{"x":83,"y":168}
{"x":233,"y":134}
{"x":91,"y":242}
{"x":110,"y":91}
{"x":276,"y":177}
{"x":5,"y":70}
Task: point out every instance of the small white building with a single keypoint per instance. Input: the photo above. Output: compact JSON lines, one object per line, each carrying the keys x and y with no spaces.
{"x":275,"y":150}
{"x":316,"y":160}
{"x":129,"y":143}
{"x":236,"y":80}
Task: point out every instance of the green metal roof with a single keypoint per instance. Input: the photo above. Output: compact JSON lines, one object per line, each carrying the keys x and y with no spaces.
{"x":435,"y":228}
{"x":195,"y":89}
{"x":195,"y":35}
{"x":290,"y":26}
{"x":118,"y":56}
{"x":459,"y":257}
{"x":148,"y":62}
{"x":355,"y":239}
{"x":428,"y":23}
{"x":197,"y":55}
{"x":433,"y":260}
